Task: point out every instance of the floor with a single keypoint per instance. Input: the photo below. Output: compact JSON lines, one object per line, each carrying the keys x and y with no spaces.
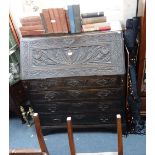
{"x":21,"y":136}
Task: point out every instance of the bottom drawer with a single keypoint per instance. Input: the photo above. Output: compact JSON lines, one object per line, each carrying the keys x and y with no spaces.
{"x":78,"y":119}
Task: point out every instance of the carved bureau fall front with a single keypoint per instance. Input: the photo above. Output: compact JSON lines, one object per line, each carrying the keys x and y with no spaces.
{"x":81,"y":75}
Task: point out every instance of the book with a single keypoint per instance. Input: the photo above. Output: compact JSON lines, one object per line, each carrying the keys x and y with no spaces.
{"x":43,"y":22}
{"x":77,"y":18}
{"x":96,"y":27}
{"x":53,"y":20}
{"x":63,"y":20}
{"x":47,"y":20}
{"x":29,"y":28}
{"x":31,"y":23}
{"x":67,"y":19}
{"x":57,"y":18}
{"x":32,"y":33}
{"x":30,"y":19}
{"x":93,"y":14}
{"x":93,"y":20}
{"x":70,"y":13}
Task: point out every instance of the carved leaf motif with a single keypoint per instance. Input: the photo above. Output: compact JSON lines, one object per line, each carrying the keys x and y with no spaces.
{"x":102,"y":82}
{"x":50,"y":95}
{"x":79,"y":55}
{"x":72,"y":82}
{"x":74,"y":93}
{"x":44,"y":85}
{"x":104,"y":93}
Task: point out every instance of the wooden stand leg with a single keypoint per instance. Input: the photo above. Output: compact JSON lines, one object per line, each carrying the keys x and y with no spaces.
{"x":39,"y":133}
{"x":70,"y":136}
{"x":119,"y":133}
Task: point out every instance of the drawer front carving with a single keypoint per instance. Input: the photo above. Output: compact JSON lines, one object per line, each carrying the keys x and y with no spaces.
{"x":77,"y":55}
{"x":78,"y":119}
{"x":114,"y":93}
{"x":78,"y":82}
{"x":69,"y":107}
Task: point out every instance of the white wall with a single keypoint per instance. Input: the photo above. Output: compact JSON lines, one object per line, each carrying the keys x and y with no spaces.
{"x":114,"y":9}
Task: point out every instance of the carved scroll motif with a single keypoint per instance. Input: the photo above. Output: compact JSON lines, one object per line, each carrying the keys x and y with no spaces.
{"x":50,"y":95}
{"x":74,"y":55}
{"x":79,"y":55}
{"x":104,"y":82}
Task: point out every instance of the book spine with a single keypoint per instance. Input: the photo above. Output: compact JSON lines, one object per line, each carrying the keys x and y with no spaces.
{"x":58,"y":23}
{"x":53,"y":21}
{"x":31,"y":23}
{"x":30,"y":19}
{"x":67,"y":19}
{"x":29,"y":28}
{"x":95,"y":27}
{"x":77,"y":18}
{"x":43,"y":22}
{"x":94,"y":14}
{"x":104,"y":28}
{"x":93,"y":20}
{"x":32,"y":33}
{"x":71,"y":18}
{"x":47,"y":20}
{"x":63,"y":20}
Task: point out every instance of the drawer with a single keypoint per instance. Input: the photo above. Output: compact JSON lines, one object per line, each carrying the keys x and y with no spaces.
{"x":78,"y":119}
{"x":78,"y":106}
{"x":113,"y":93}
{"x":78,"y":82}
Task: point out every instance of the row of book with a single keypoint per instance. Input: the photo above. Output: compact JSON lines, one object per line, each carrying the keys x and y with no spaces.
{"x":94,"y":22}
{"x":59,"y":20}
{"x":53,"y":20}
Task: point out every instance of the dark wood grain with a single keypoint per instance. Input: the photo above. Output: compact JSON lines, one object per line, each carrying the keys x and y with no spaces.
{"x":90,"y":100}
{"x":78,"y":82}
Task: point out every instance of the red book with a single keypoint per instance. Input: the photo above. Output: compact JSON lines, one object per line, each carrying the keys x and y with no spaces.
{"x":32,"y":33}
{"x":34,"y":27}
{"x":30,"y":19}
{"x":104,"y":28}
{"x":32,"y":23}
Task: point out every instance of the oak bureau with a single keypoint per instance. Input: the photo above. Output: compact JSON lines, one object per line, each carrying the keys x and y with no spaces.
{"x":81,"y":75}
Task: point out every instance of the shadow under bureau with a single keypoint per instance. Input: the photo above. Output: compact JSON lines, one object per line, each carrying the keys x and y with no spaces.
{"x":81,"y":75}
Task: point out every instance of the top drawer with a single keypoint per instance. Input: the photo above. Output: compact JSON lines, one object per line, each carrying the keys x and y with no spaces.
{"x":75,"y":82}
{"x":86,"y":54}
